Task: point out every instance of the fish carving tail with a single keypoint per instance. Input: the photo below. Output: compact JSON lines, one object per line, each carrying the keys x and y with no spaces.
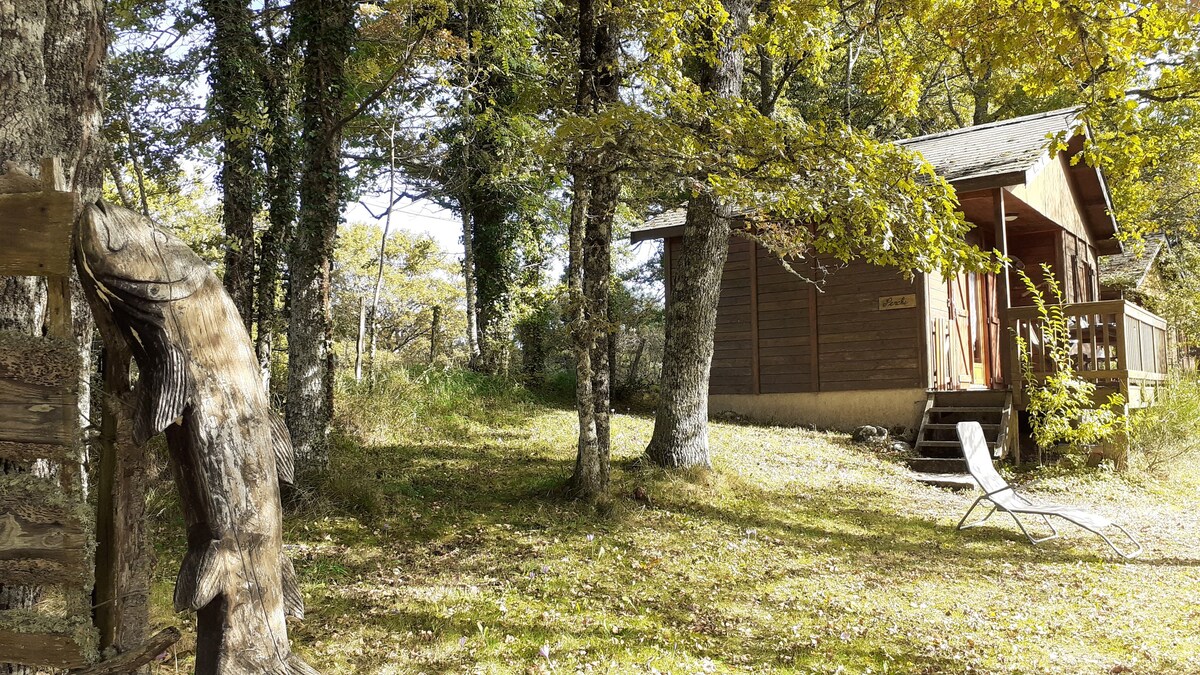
{"x":293,"y":602}
{"x":200,"y":577}
{"x":281,"y":442}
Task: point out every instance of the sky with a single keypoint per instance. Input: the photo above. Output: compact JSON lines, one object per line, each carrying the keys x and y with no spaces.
{"x":421,"y":217}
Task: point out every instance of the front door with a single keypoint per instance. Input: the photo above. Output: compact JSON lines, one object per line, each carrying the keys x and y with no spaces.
{"x":969,"y":346}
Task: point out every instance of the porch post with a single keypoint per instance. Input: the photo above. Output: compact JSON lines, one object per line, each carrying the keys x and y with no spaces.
{"x":1003,"y":288}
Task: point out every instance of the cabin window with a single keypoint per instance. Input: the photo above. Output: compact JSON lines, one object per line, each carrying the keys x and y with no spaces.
{"x":1091,"y":283}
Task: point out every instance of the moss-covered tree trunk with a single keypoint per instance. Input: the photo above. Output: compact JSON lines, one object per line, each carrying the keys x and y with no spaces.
{"x":326,"y":31}
{"x":51,"y":55}
{"x":593,"y":208}
{"x":235,"y":104}
{"x":681,"y":423}
{"x":279,"y":98}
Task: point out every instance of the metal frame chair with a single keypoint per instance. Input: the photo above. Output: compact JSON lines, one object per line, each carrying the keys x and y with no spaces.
{"x":1004,"y":498}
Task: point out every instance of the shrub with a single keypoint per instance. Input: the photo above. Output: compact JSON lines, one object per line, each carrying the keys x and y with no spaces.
{"x":1062,"y":408}
{"x":1168,"y":432}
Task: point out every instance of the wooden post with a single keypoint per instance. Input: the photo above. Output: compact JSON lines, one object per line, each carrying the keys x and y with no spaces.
{"x":1004,"y":288}
{"x":359,"y":344}
{"x":434,"y":327}
{"x":123,"y":565}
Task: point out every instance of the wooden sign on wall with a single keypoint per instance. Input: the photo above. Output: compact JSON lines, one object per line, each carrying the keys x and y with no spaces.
{"x":898,"y":301}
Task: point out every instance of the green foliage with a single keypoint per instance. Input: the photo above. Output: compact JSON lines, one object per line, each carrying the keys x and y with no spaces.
{"x":183,"y":203}
{"x":1166,"y":434}
{"x":1179,"y":300}
{"x":417,"y":277}
{"x":1061,"y":405}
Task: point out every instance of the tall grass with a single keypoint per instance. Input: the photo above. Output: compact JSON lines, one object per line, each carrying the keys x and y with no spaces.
{"x":412,"y":402}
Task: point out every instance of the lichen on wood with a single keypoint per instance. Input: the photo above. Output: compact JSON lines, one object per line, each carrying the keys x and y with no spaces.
{"x":77,"y":629}
{"x":45,"y":361}
{"x":23,"y":453}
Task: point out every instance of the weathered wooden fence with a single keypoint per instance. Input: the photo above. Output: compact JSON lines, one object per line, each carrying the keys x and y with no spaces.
{"x":46,"y":538}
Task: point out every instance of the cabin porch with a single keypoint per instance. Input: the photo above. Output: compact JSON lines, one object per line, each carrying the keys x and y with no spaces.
{"x":1117,"y":344}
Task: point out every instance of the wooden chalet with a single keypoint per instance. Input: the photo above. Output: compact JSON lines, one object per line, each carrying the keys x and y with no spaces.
{"x":871,"y":347}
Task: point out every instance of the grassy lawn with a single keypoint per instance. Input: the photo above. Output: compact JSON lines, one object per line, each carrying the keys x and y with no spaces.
{"x":438,"y":546}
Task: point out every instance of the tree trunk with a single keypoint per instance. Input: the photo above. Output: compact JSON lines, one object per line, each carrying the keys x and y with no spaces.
{"x":631,"y":377}
{"x":434,"y":329}
{"x":680,"y":436}
{"x":492,"y":250}
{"x":360,"y":342}
{"x":279,"y":95}
{"x":234,"y":105}
{"x":51,"y":56}
{"x":593,"y":207}
{"x":327,"y":32}
{"x":387,"y":228}
{"x":469,"y":282}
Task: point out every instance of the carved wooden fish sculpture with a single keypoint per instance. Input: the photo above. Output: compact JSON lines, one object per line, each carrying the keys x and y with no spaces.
{"x":199,"y":381}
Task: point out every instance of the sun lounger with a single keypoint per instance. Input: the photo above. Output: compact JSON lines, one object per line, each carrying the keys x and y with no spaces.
{"x":1003,"y":497}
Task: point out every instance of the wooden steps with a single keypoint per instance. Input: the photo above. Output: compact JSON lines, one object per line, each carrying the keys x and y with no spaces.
{"x":937,"y":448}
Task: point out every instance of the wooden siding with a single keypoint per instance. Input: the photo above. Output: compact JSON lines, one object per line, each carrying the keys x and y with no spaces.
{"x":1051,"y":193}
{"x":861,"y":346}
{"x":732,"y":343}
{"x":784,"y":348}
{"x":764,"y":340}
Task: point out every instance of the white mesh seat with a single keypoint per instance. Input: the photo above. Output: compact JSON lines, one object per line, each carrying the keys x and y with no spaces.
{"x":1003,"y":497}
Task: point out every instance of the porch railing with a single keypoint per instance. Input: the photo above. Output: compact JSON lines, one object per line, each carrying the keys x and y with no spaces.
{"x":1114,"y":343}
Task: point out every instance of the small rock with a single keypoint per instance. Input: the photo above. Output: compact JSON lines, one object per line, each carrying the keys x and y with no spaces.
{"x":900,"y":447}
{"x":869,"y":434}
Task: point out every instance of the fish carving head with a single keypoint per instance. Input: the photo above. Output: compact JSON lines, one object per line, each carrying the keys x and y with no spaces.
{"x":129,"y":259}
{"x":132,"y":272}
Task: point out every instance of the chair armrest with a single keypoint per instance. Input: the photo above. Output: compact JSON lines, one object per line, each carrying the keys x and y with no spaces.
{"x":996,"y":492}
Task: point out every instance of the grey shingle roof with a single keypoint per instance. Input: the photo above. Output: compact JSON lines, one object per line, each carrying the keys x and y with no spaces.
{"x":1127,"y":271}
{"x":993,"y":149}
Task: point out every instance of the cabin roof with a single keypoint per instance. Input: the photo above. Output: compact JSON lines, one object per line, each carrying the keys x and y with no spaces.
{"x":1013,"y":146}
{"x":1128,"y":270}
{"x":986,"y":156}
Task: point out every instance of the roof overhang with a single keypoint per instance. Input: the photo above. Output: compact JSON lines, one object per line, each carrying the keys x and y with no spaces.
{"x":648,"y":233}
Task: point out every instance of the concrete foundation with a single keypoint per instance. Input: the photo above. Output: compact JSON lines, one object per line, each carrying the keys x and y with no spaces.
{"x":841,"y":410}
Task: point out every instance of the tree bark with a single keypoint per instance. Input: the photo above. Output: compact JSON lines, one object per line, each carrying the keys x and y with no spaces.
{"x":328,"y":30}
{"x":279,"y":96}
{"x":680,"y":436}
{"x":234,"y":105}
{"x":51,"y":56}
{"x":596,"y":192}
{"x":469,"y":281}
